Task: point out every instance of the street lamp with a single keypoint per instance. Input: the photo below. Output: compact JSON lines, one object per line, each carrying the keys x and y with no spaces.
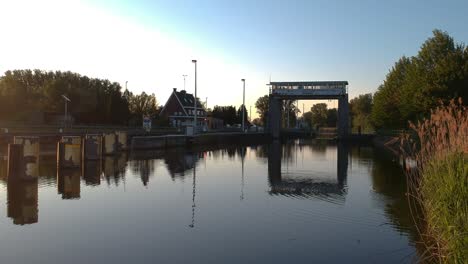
{"x":195,"y":97}
{"x":243,"y":106}
{"x":66,"y":108}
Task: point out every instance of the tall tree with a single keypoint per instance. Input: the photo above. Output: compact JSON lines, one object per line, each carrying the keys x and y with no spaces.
{"x":319,"y":114}
{"x":262,"y":105}
{"x":360,"y":110}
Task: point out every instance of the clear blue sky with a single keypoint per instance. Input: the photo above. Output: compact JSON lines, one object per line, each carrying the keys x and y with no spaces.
{"x":357,"y":41}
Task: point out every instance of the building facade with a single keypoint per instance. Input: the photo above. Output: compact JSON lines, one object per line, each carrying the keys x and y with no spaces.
{"x":180,"y":110}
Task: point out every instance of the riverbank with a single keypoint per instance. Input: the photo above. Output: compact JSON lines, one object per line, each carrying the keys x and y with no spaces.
{"x":444,"y":192}
{"x":439,"y":181}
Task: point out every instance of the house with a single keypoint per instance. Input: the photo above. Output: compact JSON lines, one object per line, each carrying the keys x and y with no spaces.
{"x":179,"y":109}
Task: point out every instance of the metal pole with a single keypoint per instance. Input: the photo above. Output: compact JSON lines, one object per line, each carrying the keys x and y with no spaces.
{"x":243,"y":106}
{"x":250,"y":114}
{"x":195,"y":101}
{"x":66,"y":113}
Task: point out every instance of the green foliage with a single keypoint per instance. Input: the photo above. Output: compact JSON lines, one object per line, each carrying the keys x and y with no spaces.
{"x":444,"y":189}
{"x":415,"y":85}
{"x":226,"y":113}
{"x":288,"y":106}
{"x":239,"y":115}
{"x":360,"y":110}
{"x":262,"y":107}
{"x":319,"y":114}
{"x":24,"y":93}
{"x":141,"y":105}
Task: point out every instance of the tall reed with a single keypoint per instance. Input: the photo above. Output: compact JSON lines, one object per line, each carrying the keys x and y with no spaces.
{"x":438,"y":181}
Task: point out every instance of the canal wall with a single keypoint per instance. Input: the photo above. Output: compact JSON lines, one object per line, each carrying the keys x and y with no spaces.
{"x":170,"y":141}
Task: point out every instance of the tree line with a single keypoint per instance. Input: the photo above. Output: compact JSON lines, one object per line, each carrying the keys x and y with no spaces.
{"x":229,"y":114}
{"x":414,"y":86}
{"x":25,"y":93}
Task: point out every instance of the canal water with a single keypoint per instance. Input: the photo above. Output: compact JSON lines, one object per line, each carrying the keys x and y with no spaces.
{"x":301,"y":201}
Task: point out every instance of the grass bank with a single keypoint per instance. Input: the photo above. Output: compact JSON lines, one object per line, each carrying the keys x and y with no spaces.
{"x":440,"y":181}
{"x":444,"y":193}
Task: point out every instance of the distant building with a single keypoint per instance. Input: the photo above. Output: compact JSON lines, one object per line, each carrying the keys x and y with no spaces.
{"x":179,"y":109}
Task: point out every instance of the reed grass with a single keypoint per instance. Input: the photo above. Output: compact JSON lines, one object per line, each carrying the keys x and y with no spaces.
{"x":439,"y":181}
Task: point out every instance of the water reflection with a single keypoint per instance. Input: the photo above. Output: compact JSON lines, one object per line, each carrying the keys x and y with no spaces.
{"x":230,"y":193}
{"x":22,"y":199}
{"x":68,"y":183}
{"x":306,"y":184}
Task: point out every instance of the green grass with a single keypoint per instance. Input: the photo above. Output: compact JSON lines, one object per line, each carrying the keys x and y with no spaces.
{"x":444,"y":189}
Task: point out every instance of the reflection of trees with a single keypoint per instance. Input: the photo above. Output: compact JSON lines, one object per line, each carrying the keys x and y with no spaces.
{"x":144,"y":168}
{"x":114,"y":168}
{"x":389,"y":181}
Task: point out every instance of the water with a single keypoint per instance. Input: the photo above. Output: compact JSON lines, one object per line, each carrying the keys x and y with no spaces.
{"x":298,"y":202}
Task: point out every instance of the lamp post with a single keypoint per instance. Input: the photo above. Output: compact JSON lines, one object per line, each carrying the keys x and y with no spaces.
{"x":243,"y":106}
{"x":195,"y":101}
{"x":66,"y":108}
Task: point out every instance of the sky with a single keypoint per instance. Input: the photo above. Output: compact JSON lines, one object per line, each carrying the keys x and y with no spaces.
{"x":151,"y":44}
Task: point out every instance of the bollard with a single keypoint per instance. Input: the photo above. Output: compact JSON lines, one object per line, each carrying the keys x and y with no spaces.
{"x":109,"y":144}
{"x":69,"y":152}
{"x":15,"y":166}
{"x":92,"y":147}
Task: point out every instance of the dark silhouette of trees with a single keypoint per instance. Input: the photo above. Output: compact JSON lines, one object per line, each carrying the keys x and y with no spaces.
{"x":226,"y":113}
{"x":262,"y":107}
{"x":26,"y":93}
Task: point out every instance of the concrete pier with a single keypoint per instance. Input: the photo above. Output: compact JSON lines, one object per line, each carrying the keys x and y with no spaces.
{"x":92,"y":147}
{"x":31,"y":153}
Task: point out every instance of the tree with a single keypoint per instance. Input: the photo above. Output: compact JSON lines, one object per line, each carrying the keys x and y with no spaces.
{"x":36,"y":91}
{"x":288,"y":106}
{"x":262,"y":105}
{"x":239,"y":115}
{"x":417,"y":84}
{"x":319,"y":114}
{"x":226,"y":113}
{"x":360,"y":111}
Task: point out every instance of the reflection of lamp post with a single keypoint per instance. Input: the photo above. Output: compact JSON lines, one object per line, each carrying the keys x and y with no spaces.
{"x":195,"y":99}
{"x":243,"y":106}
{"x":66,"y":108}
{"x":192,"y":225}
